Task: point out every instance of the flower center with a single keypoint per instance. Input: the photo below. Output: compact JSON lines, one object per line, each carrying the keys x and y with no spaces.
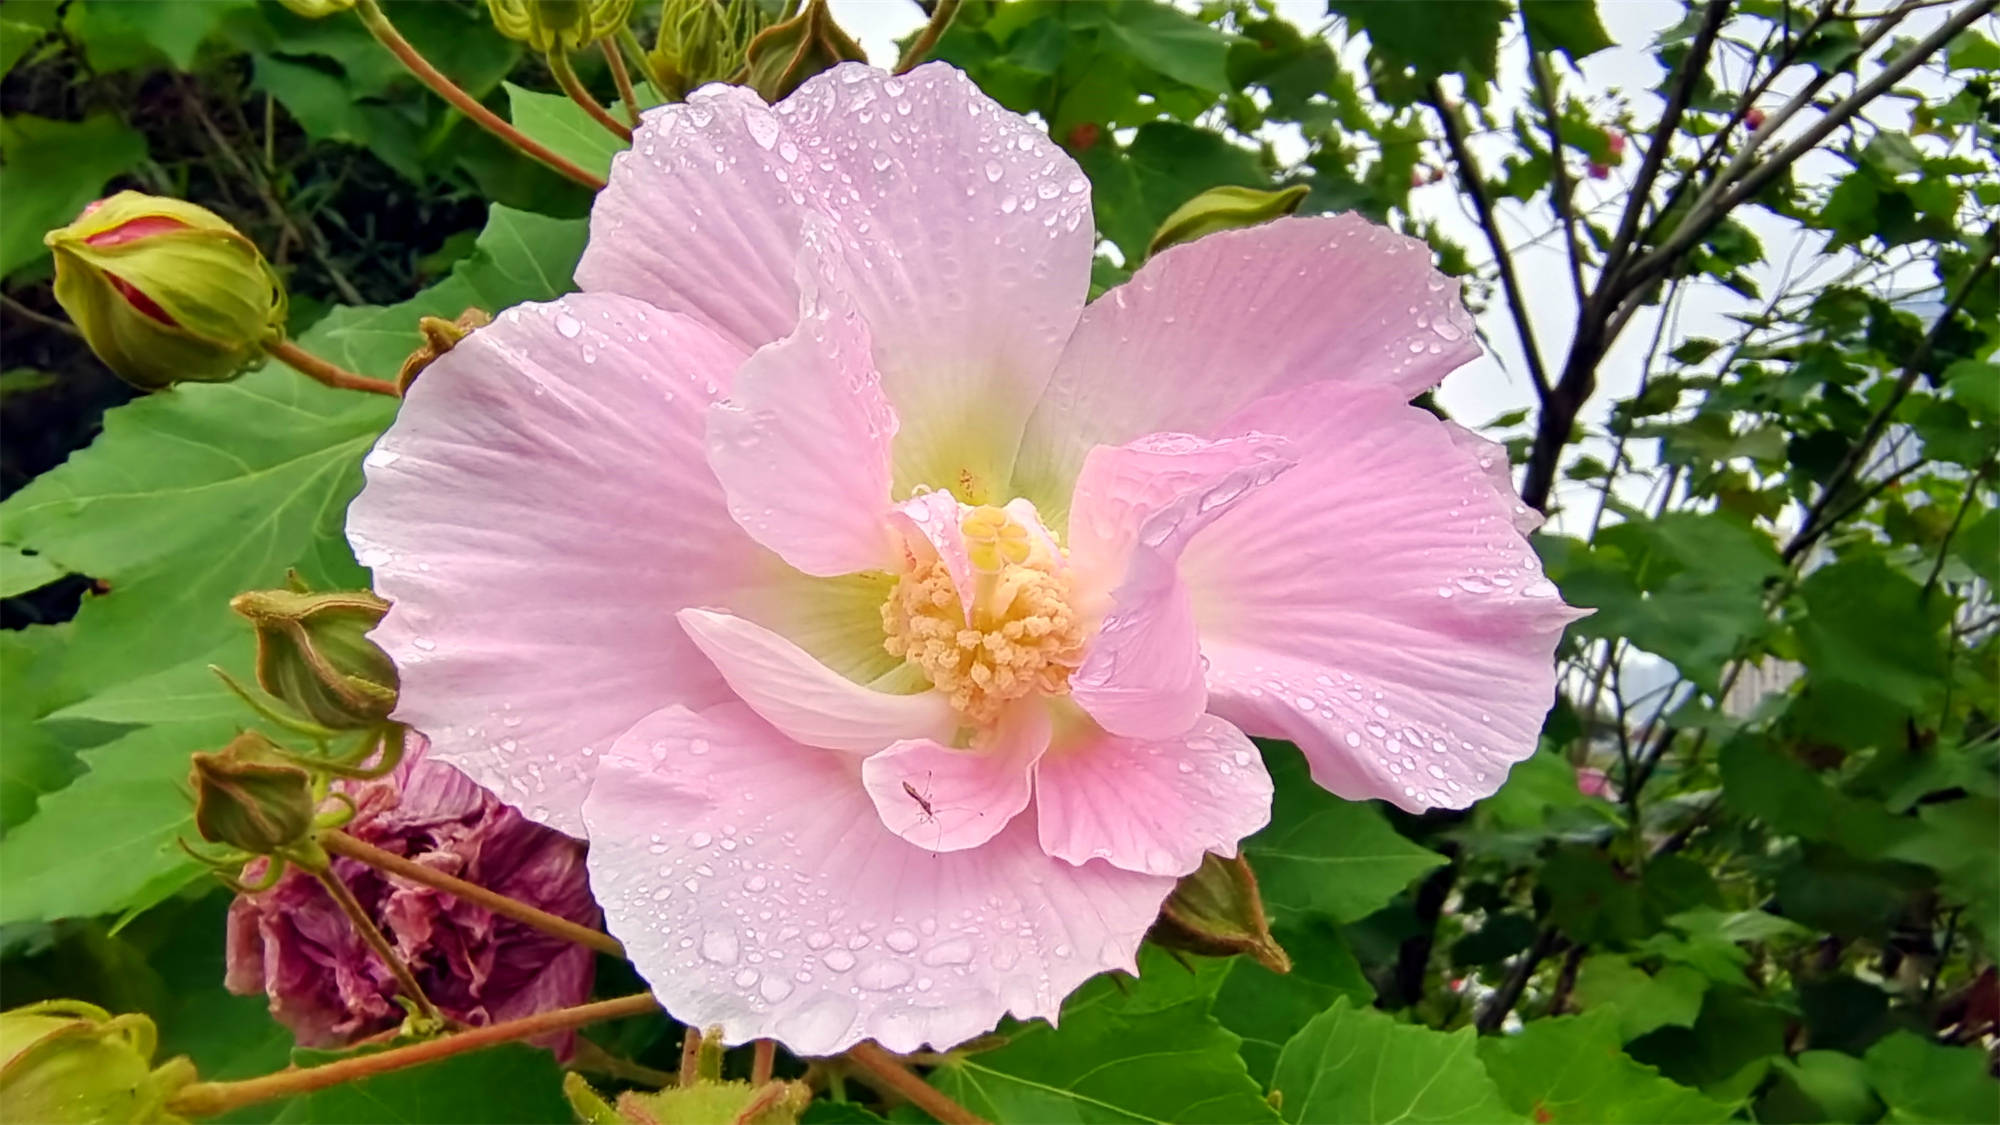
{"x":1024,"y":636}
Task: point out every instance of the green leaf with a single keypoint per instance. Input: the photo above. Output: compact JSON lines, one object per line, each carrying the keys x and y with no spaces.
{"x":21,"y":572}
{"x":49,"y":170}
{"x":1359,"y":1065}
{"x":1570,"y":1069}
{"x":1644,"y":1001}
{"x":1975,"y":386}
{"x":1922,"y":1082}
{"x":497,"y":1086}
{"x":1763,"y":783}
{"x":1569,"y":26}
{"x":1323,"y":857}
{"x":1729,"y":1049}
{"x":1137,"y":1057}
{"x":107,"y":840}
{"x":1868,"y":632}
{"x":1162,"y":38}
{"x":33,"y":762}
{"x":1412,"y":38}
{"x":562,"y":125}
{"x":1268,"y":1008}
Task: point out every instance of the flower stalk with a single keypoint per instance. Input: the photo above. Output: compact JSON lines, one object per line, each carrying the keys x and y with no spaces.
{"x":889,"y":1071}
{"x":372,"y":934}
{"x":208,"y":1099}
{"x":920,"y":47}
{"x":341,"y":844}
{"x":559,"y":66}
{"x":330,"y":374}
{"x":386,"y":34}
{"x":622,"y":78}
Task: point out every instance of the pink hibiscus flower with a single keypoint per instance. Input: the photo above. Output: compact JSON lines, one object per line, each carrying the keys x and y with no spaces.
{"x":889,"y":621}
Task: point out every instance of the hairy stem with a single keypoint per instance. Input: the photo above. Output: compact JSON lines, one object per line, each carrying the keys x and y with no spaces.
{"x":340,"y":843}
{"x":386,"y":34}
{"x":622,"y":78}
{"x":321,"y":371}
{"x":571,"y":85}
{"x":889,"y":1072}
{"x":207,"y":1099}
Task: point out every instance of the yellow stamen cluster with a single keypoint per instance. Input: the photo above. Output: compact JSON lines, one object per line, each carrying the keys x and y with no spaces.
{"x":1023,"y":637}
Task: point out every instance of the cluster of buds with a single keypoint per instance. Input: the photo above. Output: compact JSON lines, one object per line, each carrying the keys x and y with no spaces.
{"x":166,"y":292}
{"x":559,"y":25}
{"x":703,"y":41}
{"x":65,"y":1062}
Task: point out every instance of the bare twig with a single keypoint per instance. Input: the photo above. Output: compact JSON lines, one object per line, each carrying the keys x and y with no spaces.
{"x":920,"y":47}
{"x":333,"y":375}
{"x":1562,"y":198}
{"x":565,"y":74}
{"x":893,"y":1076}
{"x":621,"y":78}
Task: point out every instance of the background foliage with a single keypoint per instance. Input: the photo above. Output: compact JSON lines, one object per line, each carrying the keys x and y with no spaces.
{"x":1760,"y":885}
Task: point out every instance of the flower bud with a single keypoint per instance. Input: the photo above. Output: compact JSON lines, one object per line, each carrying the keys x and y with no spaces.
{"x":440,"y":336}
{"x":703,"y":41}
{"x":772,"y":1103}
{"x":166,"y":292}
{"x":65,"y":1061}
{"x":1217,"y":912}
{"x":784,"y":55}
{"x":247,"y":798}
{"x":1224,"y":208}
{"x":313,"y":652}
{"x":550,"y":25}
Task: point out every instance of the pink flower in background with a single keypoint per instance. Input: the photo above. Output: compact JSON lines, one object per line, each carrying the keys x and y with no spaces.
{"x":890,"y":622}
{"x":293,"y":943}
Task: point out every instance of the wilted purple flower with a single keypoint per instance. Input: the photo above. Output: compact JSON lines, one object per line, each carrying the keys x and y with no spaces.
{"x":293,"y":943}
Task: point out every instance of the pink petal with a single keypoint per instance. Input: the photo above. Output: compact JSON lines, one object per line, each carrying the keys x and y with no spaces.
{"x":947,"y":799}
{"x":971,"y":236}
{"x":1142,"y":676}
{"x":756,"y":889}
{"x":536,"y":513}
{"x":1136,"y":506}
{"x":968,"y":229}
{"x":697,"y":220}
{"x":1152,"y":806}
{"x":1492,"y":457}
{"x":802,"y":448}
{"x":1212,"y":325}
{"x":937,"y":519}
{"x":1377,"y":606}
{"x":807,"y":701}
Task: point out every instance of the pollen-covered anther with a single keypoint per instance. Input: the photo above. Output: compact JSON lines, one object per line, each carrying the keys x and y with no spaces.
{"x":1024,"y":636}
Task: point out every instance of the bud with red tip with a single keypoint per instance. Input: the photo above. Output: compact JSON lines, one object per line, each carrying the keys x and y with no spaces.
{"x":1754,"y":119}
{"x":166,"y":292}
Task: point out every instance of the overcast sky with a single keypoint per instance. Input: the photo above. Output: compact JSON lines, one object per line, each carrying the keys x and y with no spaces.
{"x":1497,"y":382}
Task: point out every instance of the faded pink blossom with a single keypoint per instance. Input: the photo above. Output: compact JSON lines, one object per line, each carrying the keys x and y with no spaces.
{"x":891,"y":622}
{"x":1594,"y":782}
{"x":292,"y":943}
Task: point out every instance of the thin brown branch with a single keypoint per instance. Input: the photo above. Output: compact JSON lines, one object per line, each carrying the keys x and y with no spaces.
{"x":889,"y":1072}
{"x":320,"y":371}
{"x":1503,"y":259}
{"x":1509,"y":993}
{"x":365,"y":928}
{"x":340,"y":843}
{"x":1957,"y":520}
{"x":53,"y":324}
{"x":1562,"y":194}
{"x":208,"y":1099}
{"x":385,"y":33}
{"x":621,"y":78}
{"x":565,"y":74}
{"x":920,"y":47}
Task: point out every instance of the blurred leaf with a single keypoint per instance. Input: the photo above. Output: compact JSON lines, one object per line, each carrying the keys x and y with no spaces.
{"x":1922,"y":1082}
{"x":49,"y":170}
{"x":1644,"y":1001}
{"x":1359,"y":1065}
{"x":1325,"y":857}
{"x":1161,"y":37}
{"x":1569,"y":1069}
{"x":1411,"y":45}
{"x":1569,"y":26}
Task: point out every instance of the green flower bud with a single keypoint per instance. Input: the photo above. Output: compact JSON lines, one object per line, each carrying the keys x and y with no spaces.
{"x":316,"y":9}
{"x":773,"y":1103}
{"x":166,"y":292}
{"x":550,"y":25}
{"x":248,"y":798}
{"x":64,"y":1062}
{"x":1224,"y":208}
{"x":1217,"y":912}
{"x":313,"y":652}
{"x":703,"y":41}
{"x":784,"y":55}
